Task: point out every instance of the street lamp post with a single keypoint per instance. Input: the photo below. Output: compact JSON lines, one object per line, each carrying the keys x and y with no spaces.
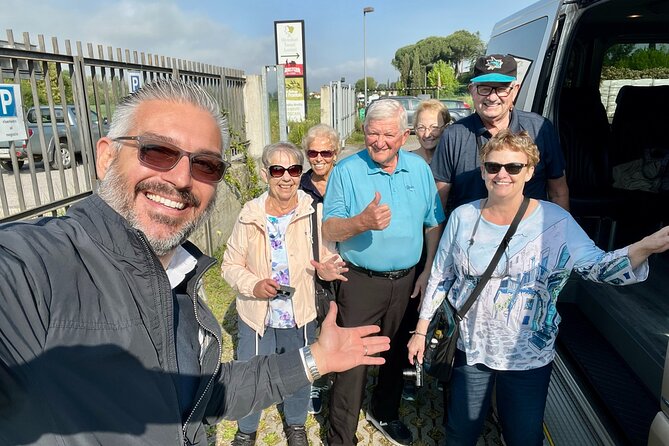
{"x":365,"y":10}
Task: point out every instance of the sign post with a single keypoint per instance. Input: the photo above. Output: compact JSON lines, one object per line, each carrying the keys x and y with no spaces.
{"x":289,"y":38}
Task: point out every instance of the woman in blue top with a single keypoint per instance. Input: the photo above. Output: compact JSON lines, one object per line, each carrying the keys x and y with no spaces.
{"x":508,"y":335}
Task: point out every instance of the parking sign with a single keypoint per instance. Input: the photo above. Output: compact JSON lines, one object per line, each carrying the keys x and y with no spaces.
{"x":12,"y":126}
{"x":134,"y":81}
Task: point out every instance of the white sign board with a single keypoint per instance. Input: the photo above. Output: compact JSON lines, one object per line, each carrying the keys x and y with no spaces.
{"x":12,"y":126}
{"x":134,"y":81}
{"x":290,"y":47}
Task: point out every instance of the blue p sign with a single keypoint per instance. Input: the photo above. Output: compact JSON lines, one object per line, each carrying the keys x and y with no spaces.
{"x":7,"y":102}
{"x":135,"y":81}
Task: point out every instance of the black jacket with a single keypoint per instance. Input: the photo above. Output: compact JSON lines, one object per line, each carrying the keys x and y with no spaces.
{"x":87,"y":341}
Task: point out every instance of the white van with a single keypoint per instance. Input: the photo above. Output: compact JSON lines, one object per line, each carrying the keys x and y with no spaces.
{"x":599,"y":70}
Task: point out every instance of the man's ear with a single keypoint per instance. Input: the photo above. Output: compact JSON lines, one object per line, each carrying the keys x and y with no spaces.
{"x":105,"y":155}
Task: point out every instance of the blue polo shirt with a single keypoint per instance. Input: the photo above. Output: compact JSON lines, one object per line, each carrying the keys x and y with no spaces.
{"x":414,"y":204}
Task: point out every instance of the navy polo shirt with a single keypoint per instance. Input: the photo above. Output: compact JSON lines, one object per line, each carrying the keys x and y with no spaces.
{"x":456,"y":159}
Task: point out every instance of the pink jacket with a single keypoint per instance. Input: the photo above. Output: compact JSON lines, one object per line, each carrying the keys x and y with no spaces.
{"x":247,"y":260}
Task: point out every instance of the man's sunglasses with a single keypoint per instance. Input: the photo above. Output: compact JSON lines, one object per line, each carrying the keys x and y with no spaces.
{"x":162,"y":156}
{"x":511,"y":168}
{"x":277,"y":171}
{"x":323,"y":153}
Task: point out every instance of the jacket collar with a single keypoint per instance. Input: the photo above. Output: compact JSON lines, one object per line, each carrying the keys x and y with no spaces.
{"x":254,"y":210}
{"x":108,"y":228}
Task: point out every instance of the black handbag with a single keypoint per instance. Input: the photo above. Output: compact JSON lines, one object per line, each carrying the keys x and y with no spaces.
{"x":324,"y":292}
{"x":444,"y":328}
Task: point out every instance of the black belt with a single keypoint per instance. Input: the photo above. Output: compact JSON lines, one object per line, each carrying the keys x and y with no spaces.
{"x":385,"y":274}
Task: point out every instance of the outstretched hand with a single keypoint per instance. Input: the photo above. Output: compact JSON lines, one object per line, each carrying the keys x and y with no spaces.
{"x":655,"y":243}
{"x":330,"y":270}
{"x":339,"y":349}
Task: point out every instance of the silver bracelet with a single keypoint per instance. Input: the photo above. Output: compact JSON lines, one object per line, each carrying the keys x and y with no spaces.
{"x":311,"y":363}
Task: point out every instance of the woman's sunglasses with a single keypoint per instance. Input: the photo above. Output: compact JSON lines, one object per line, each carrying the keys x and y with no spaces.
{"x":277,"y":171}
{"x":162,"y":156}
{"x":323,"y":153}
{"x":511,"y":168}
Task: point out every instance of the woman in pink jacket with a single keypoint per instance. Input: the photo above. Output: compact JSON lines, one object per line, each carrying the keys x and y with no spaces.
{"x":268,"y":261}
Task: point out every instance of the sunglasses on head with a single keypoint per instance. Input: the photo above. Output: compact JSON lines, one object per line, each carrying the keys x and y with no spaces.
{"x":277,"y":171}
{"x":323,"y":153}
{"x":162,"y":156}
{"x":511,"y":168}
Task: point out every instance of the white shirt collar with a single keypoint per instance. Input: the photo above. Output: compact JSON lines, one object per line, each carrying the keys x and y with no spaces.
{"x":181,"y":264}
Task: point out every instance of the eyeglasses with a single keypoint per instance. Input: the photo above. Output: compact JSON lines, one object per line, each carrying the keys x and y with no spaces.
{"x":433,"y":129}
{"x":511,"y":168}
{"x":323,"y":153}
{"x":277,"y":171}
{"x":162,"y":156}
{"x":486,"y":90}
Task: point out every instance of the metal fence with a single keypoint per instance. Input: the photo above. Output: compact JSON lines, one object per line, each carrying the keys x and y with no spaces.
{"x":88,"y":81}
{"x":343,"y":110}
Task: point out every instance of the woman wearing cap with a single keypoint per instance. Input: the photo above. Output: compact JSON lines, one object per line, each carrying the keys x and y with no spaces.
{"x":268,"y":261}
{"x":508,"y":336}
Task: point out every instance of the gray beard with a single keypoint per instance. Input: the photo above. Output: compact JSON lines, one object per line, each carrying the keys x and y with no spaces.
{"x":112,"y":190}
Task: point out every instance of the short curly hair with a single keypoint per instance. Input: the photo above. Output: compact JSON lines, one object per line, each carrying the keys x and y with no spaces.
{"x":518,"y":142}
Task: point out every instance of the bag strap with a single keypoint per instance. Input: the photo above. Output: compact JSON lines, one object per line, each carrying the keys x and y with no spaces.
{"x":314,"y":244}
{"x":460,"y":314}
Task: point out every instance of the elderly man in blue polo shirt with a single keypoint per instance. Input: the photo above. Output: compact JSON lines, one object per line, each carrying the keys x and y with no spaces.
{"x":379,"y":205}
{"x":455,"y":164}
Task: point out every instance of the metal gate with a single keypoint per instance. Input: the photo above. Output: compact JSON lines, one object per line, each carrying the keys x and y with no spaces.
{"x":69,"y":97}
{"x":341,"y":107}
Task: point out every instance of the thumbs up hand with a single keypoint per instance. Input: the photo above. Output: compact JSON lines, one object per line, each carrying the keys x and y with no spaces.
{"x":375,"y":216}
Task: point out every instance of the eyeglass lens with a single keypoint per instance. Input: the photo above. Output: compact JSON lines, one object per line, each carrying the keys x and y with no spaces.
{"x":431,"y":129}
{"x":203,"y":167}
{"x":162,"y":156}
{"x":323,"y":153}
{"x":486,"y":90}
{"x":511,"y":168}
{"x":277,"y":171}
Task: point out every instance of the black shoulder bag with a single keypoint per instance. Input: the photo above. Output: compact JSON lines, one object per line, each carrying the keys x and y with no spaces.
{"x":444,"y":329}
{"x":324,"y":294}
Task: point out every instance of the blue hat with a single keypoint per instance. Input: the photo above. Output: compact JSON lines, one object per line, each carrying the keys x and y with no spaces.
{"x":495,"y":68}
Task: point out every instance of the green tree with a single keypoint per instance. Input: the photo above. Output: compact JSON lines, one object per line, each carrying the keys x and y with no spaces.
{"x":360,"y":84}
{"x":465,"y":47}
{"x":416,"y":78}
{"x":443,"y":76}
{"x":456,"y":49}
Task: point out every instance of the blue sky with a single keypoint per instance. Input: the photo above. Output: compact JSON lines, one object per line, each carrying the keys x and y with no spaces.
{"x":240,"y":34}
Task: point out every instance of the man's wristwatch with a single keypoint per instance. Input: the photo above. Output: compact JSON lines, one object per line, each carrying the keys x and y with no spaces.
{"x":311,"y":363}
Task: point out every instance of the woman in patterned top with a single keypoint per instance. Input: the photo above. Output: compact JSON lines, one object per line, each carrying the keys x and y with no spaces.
{"x":268,"y":261}
{"x":508,"y":336}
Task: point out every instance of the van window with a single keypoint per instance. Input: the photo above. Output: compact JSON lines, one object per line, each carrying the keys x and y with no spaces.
{"x":523,"y":41}
{"x":638,"y":64}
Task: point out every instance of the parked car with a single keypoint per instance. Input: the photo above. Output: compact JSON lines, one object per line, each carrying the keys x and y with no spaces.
{"x":57,"y":145}
{"x":458,"y":109}
{"x":410,"y":104}
{"x":19,"y":147}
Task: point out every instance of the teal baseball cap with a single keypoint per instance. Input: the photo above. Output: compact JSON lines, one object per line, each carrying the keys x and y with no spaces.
{"x":495,"y":68}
